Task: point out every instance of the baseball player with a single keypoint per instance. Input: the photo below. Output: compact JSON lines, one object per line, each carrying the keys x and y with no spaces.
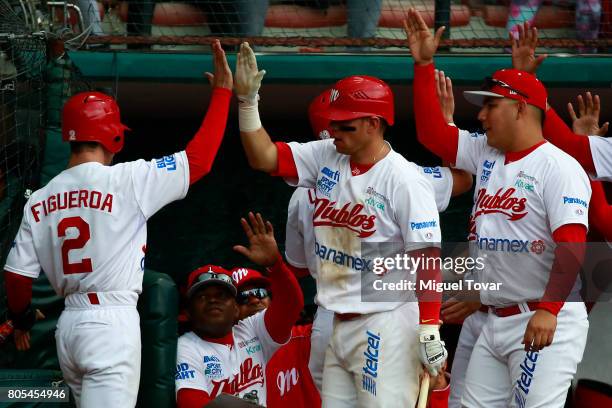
{"x":530,"y":220}
{"x":299,"y":230}
{"x":220,"y":355}
{"x":288,"y":379}
{"x":87,"y":230}
{"x":365,"y":192}
{"x":592,"y":152}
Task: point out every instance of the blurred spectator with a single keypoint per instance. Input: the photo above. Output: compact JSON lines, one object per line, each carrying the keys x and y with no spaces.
{"x":588,"y":17}
{"x":91,"y":16}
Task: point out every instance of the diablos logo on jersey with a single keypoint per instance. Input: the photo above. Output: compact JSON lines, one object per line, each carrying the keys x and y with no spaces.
{"x":248,"y":376}
{"x":350,"y":216}
{"x":502,"y":202}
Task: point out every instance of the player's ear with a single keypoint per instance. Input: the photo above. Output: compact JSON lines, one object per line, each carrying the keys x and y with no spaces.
{"x":522,"y":109}
{"x":236,"y":311}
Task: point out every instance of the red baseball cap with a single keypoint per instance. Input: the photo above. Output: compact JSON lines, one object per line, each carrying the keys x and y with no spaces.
{"x":360,"y":96}
{"x":513,"y":84}
{"x":244,"y":276}
{"x":209,"y":275}
{"x":318,"y":121}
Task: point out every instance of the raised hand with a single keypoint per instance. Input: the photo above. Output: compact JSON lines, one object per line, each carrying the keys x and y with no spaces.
{"x":524,"y":47}
{"x":222,"y":77}
{"x":423,"y":44}
{"x":262,"y":249}
{"x":444,"y":90}
{"x":588,"y":121}
{"x":248,"y":76}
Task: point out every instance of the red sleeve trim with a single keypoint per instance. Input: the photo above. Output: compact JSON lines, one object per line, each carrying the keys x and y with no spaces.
{"x":18,"y":291}
{"x":577,"y":146}
{"x":432,"y":130}
{"x":285,"y":166}
{"x":192,"y":398}
{"x":203,"y":147}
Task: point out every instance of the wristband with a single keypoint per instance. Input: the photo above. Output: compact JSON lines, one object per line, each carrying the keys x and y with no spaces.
{"x":248,"y":115}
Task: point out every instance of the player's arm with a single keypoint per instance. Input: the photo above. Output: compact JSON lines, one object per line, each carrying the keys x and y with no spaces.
{"x":433,"y":131}
{"x":203,"y":147}
{"x":288,"y":301}
{"x":462,"y":181}
{"x":262,"y":154}
{"x":600,"y":212}
{"x":20,"y":311}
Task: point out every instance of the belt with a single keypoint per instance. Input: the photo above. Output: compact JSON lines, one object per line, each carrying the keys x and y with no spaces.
{"x":93,"y":298}
{"x":524,"y":307}
{"x":343,"y":317}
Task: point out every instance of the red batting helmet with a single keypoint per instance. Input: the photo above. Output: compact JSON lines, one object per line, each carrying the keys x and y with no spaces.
{"x":318,"y":121}
{"x":93,"y":117}
{"x":360,"y":96}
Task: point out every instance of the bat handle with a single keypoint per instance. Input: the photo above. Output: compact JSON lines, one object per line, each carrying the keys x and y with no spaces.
{"x":424,"y":391}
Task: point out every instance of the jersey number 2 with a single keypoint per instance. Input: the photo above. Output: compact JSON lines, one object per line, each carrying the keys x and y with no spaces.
{"x":74,"y":243}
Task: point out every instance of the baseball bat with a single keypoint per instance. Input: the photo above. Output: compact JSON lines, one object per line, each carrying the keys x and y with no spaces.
{"x":424,"y":391}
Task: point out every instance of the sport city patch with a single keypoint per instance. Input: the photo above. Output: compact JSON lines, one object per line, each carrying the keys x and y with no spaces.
{"x":370,"y":368}
{"x":327,"y":182}
{"x":212,"y":367}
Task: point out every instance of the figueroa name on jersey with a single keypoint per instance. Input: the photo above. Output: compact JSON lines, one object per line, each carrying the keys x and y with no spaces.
{"x":248,"y":376}
{"x":346,"y":217}
{"x":73,"y":199}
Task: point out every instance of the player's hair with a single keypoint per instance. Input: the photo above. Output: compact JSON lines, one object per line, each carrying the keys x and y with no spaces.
{"x":540,"y":113}
{"x":78,"y":147}
{"x":383,"y":125}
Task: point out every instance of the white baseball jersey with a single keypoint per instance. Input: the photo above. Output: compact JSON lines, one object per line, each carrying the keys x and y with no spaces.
{"x":299,"y":231}
{"x":517,"y":207}
{"x":217,"y":368}
{"x":87,"y":227}
{"x":392,"y":202}
{"x":601,"y":149}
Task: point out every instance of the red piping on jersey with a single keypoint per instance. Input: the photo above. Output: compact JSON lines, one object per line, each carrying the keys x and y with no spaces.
{"x":18,"y":291}
{"x":288,"y":301}
{"x":516,"y":156}
{"x":577,"y":146}
{"x":600,"y":212}
{"x":569,"y":255}
{"x":191,"y":398}
{"x":432,"y":130}
{"x":203,"y":147}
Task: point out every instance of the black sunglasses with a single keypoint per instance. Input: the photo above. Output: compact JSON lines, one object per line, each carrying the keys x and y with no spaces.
{"x":243,"y":297}
{"x":344,"y":128}
{"x":491,"y":82}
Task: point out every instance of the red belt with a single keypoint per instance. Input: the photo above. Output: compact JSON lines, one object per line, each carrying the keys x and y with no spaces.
{"x":512,"y":310}
{"x":347,"y":316}
{"x":93,"y":298}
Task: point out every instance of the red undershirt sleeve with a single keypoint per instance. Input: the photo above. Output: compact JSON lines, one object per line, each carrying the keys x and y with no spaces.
{"x":432,"y":130}
{"x":287,"y":302}
{"x":298,"y":272}
{"x":569,"y":254}
{"x":429,"y":300}
{"x":600,"y":212}
{"x":558,"y":133}
{"x":285,"y":167}
{"x":18,"y":291}
{"x":203,"y":147}
{"x":192,"y":398}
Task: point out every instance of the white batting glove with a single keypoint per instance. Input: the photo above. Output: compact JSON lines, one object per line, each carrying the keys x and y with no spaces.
{"x":431,"y":349}
{"x":248,"y":78}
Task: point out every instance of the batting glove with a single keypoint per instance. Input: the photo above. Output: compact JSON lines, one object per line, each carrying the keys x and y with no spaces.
{"x":248,"y":78}
{"x":431,"y":349}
